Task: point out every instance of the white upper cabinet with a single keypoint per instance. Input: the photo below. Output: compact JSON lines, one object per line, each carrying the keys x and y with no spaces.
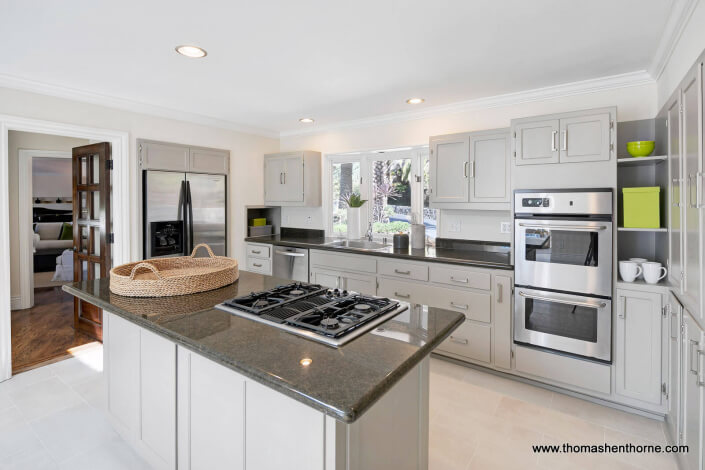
{"x":585,"y":138}
{"x":175,"y":157}
{"x":537,"y":142}
{"x":581,"y":136}
{"x":449,"y":164}
{"x":292,"y":179}
{"x":676,"y":197}
{"x":470,"y":170}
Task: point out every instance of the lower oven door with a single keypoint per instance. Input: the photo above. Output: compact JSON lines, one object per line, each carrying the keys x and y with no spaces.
{"x":564,"y":322}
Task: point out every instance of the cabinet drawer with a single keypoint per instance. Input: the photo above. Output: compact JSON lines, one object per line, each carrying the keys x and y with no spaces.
{"x":397,"y":289}
{"x":418,"y":272}
{"x":460,"y":277}
{"x":257,"y":265}
{"x":336,"y":261}
{"x":471,"y":340}
{"x":259,"y":251}
{"x":475,"y":305}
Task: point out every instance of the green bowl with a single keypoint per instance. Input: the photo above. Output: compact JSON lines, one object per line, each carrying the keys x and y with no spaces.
{"x":640,"y":148}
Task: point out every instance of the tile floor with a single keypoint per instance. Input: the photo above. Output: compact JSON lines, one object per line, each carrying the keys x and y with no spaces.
{"x":52,"y":418}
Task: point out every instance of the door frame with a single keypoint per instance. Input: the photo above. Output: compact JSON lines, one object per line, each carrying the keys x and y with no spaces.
{"x":25,"y":213}
{"x":123,"y":206}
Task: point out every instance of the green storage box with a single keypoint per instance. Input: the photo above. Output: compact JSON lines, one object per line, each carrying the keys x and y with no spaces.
{"x":259,"y":222}
{"x":641,"y":207}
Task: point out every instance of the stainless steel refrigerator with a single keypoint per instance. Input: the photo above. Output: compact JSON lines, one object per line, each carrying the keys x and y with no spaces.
{"x":182,"y":210}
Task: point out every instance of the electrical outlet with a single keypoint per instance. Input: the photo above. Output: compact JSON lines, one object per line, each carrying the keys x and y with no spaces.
{"x":455,"y":226}
{"x":309,"y":220}
{"x":505,"y":227}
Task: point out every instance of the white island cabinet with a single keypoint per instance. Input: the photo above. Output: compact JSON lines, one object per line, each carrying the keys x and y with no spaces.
{"x":180,"y":409}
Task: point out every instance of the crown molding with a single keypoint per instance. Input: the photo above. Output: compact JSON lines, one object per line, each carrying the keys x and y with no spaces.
{"x":680,"y":15}
{"x":594,"y":85}
{"x":23,"y":84}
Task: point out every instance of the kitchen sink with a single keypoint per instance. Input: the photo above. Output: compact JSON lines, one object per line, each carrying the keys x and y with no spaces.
{"x":358,"y":245}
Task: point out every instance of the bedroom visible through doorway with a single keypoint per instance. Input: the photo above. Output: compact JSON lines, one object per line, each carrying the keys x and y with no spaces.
{"x":41,"y":239}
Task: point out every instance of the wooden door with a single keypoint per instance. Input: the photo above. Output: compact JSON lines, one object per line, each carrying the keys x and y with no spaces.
{"x":692,"y":156}
{"x":489,"y":167}
{"x":585,"y":138}
{"x":536,"y":142}
{"x":675,"y":268}
{"x":450,"y":165}
{"x":638,"y":346}
{"x":91,"y":228}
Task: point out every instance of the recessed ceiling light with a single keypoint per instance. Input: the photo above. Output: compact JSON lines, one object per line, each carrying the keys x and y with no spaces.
{"x":306,"y":361}
{"x":193,"y":52}
{"x":306,"y":120}
{"x":415,"y":101}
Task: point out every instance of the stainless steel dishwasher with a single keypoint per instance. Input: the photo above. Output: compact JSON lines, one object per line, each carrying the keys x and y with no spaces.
{"x":290,"y":263}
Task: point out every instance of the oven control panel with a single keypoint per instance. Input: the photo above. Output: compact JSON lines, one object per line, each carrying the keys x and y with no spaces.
{"x":535,"y":202}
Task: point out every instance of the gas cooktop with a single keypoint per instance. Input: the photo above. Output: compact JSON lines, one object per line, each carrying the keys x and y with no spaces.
{"x":330,"y":316}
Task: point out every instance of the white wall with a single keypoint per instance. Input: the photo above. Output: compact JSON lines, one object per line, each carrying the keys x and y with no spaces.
{"x":52,"y":177}
{"x":635,"y":102}
{"x":246,"y":150}
{"x":689,"y":46}
{"x":28,"y":141}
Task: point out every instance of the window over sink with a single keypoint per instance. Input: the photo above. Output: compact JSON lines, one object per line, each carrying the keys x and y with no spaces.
{"x":395,"y":184}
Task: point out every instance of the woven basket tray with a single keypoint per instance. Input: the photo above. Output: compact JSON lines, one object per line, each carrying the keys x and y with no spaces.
{"x":163,"y":277}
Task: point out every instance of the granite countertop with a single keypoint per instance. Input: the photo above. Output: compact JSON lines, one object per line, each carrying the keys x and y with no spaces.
{"x":471,"y":253}
{"x":341,"y":382}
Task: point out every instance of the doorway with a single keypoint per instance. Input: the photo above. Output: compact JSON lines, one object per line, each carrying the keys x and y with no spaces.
{"x":23,"y":344}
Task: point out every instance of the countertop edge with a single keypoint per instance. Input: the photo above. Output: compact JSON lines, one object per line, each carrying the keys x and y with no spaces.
{"x":317,"y":246}
{"x":347,"y":416}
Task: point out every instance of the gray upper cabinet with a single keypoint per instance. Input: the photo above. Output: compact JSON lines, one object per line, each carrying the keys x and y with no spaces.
{"x":182,"y":158}
{"x":449,"y":164}
{"x":537,"y":142}
{"x":292,"y":179}
{"x":471,"y":170}
{"x":585,"y":138}
{"x":674,"y":164}
{"x":581,"y":136}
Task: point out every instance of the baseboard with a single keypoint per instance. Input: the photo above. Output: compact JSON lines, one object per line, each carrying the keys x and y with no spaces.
{"x":15,"y":302}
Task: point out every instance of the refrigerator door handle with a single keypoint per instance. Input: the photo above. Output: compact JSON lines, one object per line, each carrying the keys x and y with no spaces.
{"x":189,"y":203}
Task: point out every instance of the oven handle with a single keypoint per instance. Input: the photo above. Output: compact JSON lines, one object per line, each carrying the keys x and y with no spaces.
{"x":290,"y":253}
{"x":561,"y":301}
{"x":577,"y":228}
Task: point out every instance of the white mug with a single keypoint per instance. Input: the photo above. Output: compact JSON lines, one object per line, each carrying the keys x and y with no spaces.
{"x":640,"y":262}
{"x":629,"y":270}
{"x":652,"y":272}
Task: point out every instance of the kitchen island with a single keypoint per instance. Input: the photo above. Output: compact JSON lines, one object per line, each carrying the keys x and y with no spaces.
{"x":197,"y":387}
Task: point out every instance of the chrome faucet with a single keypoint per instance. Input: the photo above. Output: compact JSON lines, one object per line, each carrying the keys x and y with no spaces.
{"x":369,"y":232}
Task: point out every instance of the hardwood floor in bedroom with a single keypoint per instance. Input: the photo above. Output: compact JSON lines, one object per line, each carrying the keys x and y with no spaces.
{"x":45,"y":332}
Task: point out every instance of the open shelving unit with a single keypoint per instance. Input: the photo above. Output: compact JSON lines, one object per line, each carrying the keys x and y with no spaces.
{"x":649,"y":243}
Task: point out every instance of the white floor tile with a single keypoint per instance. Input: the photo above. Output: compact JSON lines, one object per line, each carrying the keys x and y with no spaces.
{"x":93,"y":391}
{"x":25,"y":378}
{"x":87,"y":366}
{"x":17,"y":440}
{"x":73,"y":431}
{"x":45,"y":397}
{"x":113,"y":455}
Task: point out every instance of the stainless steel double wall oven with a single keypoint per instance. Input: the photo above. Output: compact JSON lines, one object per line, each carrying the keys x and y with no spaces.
{"x":563,"y":271}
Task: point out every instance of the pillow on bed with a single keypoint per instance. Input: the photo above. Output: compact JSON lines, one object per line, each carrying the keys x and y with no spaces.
{"x":66,"y":232}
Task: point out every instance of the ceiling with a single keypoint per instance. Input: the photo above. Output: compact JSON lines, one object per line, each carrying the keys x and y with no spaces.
{"x":271,"y":62}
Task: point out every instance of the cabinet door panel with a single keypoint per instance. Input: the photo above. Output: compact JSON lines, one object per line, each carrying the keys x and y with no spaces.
{"x":692,"y":161}
{"x":209,"y":161}
{"x":363,"y":285}
{"x":692,"y":391}
{"x":675,"y":195}
{"x":156,"y":156}
{"x":326,"y":279}
{"x":471,"y":340}
{"x":489,"y":167}
{"x":585,"y":138}
{"x":638,"y":338}
{"x":674,"y":419}
{"x":503,"y":322}
{"x":122,"y":344}
{"x":273,"y":179}
{"x":293,"y":179}
{"x":450,"y":160}
{"x":537,"y":142}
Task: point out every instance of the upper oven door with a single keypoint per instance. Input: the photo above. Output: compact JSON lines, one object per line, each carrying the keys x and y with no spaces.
{"x":567,"y":255}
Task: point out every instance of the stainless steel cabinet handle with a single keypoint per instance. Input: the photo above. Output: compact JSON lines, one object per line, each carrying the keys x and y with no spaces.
{"x":472,"y":169}
{"x":290,"y":253}
{"x":464,"y":281}
{"x":406,"y":273}
{"x":465,"y":169}
{"x":577,"y":228}
{"x":565,"y":141}
{"x":553,"y":141}
{"x":700,"y":353}
{"x":455,"y":339}
{"x":462,"y":307}
{"x":256,"y":252}
{"x":256,"y":265}
{"x":285,"y":177}
{"x":563,"y":301}
{"x":403,"y":296}
{"x":699,"y":190}
{"x":674,"y":182}
{"x":281,"y":178}
{"x":692,"y":343}
{"x":499,"y":293}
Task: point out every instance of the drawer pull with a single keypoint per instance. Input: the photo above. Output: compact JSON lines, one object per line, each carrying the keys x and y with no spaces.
{"x":462,"y":307}
{"x":455,"y":339}
{"x":406,"y":273}
{"x":256,"y":252}
{"x":256,"y":265}
{"x":464,"y":281}
{"x":403,"y":296}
